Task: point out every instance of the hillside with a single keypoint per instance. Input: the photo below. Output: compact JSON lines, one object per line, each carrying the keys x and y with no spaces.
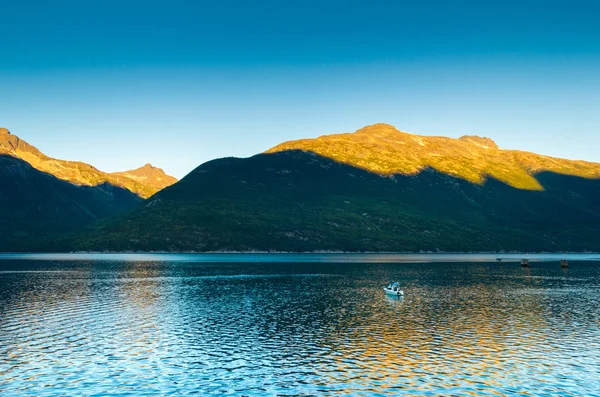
{"x":375,"y":190}
{"x":384,"y":150}
{"x":83,"y":174}
{"x":35,"y":205}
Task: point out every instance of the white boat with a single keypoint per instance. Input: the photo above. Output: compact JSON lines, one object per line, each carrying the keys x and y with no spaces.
{"x":393,"y":289}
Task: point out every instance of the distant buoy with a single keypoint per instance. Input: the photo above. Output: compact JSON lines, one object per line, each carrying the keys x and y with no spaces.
{"x":564,"y":263}
{"x":525,"y":262}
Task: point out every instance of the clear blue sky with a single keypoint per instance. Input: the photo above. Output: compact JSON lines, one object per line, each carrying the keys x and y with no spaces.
{"x":176,"y":83}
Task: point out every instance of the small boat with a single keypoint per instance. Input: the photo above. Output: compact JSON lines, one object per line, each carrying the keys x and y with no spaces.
{"x":393,"y":289}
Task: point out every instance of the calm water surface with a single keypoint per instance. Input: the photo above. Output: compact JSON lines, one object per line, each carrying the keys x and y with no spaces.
{"x":167,"y":325}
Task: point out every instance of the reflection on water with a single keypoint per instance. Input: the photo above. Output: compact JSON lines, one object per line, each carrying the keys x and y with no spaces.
{"x":159,"y":328}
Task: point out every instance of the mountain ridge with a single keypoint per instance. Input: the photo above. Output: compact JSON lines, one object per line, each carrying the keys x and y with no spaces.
{"x":295,"y":199}
{"x":80,"y":173}
{"x":385,"y":150}
{"x":35,"y":205}
{"x":375,"y":190}
{"x":149,"y":175}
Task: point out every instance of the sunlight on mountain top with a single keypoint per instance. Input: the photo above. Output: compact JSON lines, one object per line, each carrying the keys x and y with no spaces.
{"x":385,"y":150}
{"x":144,"y":181}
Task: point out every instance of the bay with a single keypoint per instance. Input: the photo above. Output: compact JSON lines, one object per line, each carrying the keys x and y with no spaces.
{"x":298,"y":325}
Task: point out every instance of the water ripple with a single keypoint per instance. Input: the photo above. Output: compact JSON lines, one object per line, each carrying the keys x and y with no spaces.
{"x":91,"y":328}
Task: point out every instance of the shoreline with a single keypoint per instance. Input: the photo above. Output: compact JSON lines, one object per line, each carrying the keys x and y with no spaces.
{"x":309,"y":252}
{"x":306,"y":257}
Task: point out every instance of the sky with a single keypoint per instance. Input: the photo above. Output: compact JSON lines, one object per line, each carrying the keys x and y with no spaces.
{"x":118,"y":84}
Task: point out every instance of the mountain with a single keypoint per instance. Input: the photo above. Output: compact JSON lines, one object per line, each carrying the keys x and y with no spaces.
{"x":384,"y":150}
{"x":149,"y":175}
{"x":41,"y":197}
{"x":35,"y":205}
{"x":143,"y":182}
{"x":378,"y":189}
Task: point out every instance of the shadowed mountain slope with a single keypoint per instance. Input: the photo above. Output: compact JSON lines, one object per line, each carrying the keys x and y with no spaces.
{"x":300,"y":201}
{"x":144,"y":182}
{"x":34,"y":204}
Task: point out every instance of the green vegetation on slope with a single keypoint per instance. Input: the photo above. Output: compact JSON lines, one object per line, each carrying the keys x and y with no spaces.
{"x":300,"y":201}
{"x":378,"y":189}
{"x":35,"y":205}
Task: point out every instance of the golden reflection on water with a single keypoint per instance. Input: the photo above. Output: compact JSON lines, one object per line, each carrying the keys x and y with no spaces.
{"x":468,"y":333}
{"x":139,"y":295}
{"x":234,"y":329}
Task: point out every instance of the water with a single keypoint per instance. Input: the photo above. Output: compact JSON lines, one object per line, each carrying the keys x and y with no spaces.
{"x":192,"y":325}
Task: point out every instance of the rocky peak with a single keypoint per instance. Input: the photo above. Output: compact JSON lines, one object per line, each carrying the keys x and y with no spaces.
{"x":149,"y":175}
{"x":12,"y":143}
{"x":378,"y":129}
{"x":484,"y":142}
{"x":146,"y":169}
